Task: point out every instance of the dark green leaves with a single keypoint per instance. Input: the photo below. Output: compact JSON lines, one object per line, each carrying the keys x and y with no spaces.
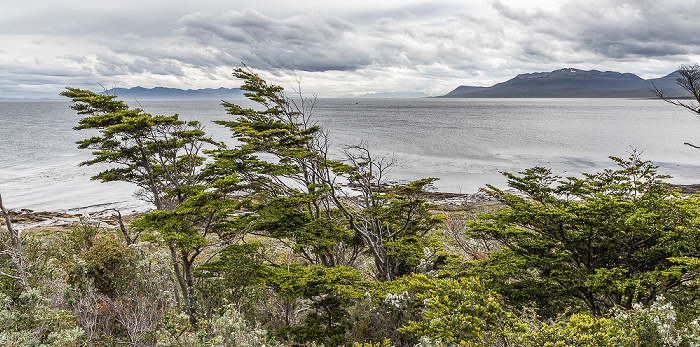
{"x":604,"y":239}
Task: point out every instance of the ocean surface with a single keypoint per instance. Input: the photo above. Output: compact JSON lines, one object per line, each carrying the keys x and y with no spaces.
{"x":465,"y":143}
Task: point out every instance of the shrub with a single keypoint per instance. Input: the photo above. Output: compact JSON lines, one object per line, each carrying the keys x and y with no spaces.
{"x":28,"y":321}
{"x":460,"y":311}
{"x":110,"y":264}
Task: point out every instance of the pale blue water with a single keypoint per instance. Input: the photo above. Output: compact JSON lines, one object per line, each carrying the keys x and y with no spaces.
{"x":464,"y":142}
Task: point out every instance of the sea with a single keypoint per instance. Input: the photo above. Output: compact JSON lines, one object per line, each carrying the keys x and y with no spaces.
{"x":465,"y":143}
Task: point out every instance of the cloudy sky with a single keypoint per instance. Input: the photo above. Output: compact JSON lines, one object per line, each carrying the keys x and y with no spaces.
{"x":336,"y":48}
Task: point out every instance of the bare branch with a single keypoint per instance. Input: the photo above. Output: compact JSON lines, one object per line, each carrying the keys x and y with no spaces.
{"x":691,"y":145}
{"x":689,"y":81}
{"x":2,"y":273}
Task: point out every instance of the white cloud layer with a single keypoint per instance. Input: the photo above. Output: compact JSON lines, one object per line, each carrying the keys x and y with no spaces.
{"x":336,"y":49}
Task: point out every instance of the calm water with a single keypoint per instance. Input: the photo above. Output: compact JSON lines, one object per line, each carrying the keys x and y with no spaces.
{"x":464,"y":142}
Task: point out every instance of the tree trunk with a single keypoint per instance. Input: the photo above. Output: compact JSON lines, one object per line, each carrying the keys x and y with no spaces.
{"x":189,"y":282}
{"x":13,"y":248}
{"x":180,"y":278}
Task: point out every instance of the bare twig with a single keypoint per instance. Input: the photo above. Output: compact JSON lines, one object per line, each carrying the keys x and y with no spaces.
{"x":689,"y":81}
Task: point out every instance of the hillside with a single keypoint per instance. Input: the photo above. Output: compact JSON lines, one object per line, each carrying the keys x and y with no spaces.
{"x":572,"y":83}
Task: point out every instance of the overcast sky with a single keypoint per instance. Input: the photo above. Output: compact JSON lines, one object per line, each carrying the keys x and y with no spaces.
{"x":335,"y":48}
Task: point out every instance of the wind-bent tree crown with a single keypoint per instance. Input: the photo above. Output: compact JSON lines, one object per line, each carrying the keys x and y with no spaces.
{"x":160,"y":154}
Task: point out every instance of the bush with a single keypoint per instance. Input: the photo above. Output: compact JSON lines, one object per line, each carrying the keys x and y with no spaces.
{"x":227,"y":329}
{"x":460,"y":311}
{"x":110,"y":264}
{"x":28,"y":321}
{"x":577,"y":330}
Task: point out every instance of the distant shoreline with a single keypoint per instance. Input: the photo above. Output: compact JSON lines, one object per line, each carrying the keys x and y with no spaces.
{"x":29,"y":219}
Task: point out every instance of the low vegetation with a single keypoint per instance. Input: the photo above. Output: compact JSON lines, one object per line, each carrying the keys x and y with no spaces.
{"x":277,"y":241}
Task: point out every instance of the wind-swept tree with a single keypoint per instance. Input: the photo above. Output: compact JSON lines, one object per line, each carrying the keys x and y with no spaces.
{"x":159,"y":154}
{"x":163,"y":156}
{"x":283,"y":160}
{"x":282,"y":163}
{"x":391,"y":220}
{"x":600,"y":242}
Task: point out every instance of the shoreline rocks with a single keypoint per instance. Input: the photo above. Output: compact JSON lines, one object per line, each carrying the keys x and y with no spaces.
{"x":28,"y":219}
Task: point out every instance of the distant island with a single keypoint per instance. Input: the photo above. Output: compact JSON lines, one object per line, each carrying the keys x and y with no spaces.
{"x":562,"y":83}
{"x":573,"y":83}
{"x":162,"y":93}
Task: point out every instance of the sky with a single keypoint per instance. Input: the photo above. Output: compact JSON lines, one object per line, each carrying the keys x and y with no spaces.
{"x":334,"y":48}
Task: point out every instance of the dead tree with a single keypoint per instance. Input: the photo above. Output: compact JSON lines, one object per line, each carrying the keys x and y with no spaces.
{"x":12,"y":247}
{"x":689,"y":81}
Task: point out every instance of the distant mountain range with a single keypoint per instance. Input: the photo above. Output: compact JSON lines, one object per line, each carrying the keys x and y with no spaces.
{"x":162,"y":93}
{"x":573,"y":83}
{"x":563,"y":83}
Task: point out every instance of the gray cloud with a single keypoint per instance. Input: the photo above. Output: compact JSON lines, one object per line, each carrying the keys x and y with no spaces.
{"x":619,"y":31}
{"x":389,"y":46}
{"x":300,"y":42}
{"x":316,"y":43}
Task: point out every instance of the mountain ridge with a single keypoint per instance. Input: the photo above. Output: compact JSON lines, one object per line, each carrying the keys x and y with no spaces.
{"x":572,"y":83}
{"x":174,"y":93}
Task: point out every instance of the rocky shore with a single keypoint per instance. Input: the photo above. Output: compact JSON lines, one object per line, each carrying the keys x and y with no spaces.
{"x":28,"y":219}
{"x":454,"y":199}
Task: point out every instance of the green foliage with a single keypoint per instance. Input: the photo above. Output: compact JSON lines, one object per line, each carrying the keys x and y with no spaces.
{"x":282,"y":161}
{"x":188,"y":226}
{"x":656,"y":325}
{"x":314,"y":237}
{"x":29,"y":321}
{"x":164,"y":157}
{"x":232,"y":277}
{"x":383,"y":343}
{"x":281,"y":130}
{"x":157,"y":153}
{"x":460,"y":311}
{"x":110,"y":265}
{"x":330,"y":291}
{"x":199,"y":223}
{"x":603,"y":241}
{"x":603,"y":247}
{"x":227,"y":329}
{"x":174,"y":228}
{"x":239,"y":264}
{"x":577,"y":330}
{"x":401,"y":217}
{"x":78,"y":239}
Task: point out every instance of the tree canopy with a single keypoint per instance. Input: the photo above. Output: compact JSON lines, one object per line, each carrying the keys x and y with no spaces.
{"x":605,"y":240}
